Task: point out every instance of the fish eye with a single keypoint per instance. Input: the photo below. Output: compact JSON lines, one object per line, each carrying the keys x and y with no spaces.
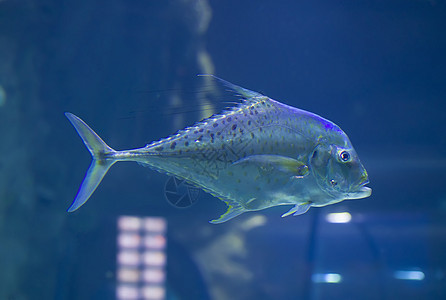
{"x":344,"y":156}
{"x":333,"y":182}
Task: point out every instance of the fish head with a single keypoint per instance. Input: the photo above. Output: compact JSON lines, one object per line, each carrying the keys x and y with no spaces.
{"x":339,"y":172}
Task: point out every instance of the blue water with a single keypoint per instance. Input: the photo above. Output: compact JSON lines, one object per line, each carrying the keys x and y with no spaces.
{"x":375,"y":68}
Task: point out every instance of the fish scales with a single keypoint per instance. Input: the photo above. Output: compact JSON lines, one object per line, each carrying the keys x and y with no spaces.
{"x":202,"y":152}
{"x":258,"y":154}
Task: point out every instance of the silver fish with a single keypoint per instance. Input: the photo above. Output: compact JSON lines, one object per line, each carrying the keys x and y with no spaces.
{"x":258,"y":154}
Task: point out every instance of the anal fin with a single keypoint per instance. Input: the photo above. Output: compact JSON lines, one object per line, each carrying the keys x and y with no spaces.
{"x":234,"y":209}
{"x":298,"y":209}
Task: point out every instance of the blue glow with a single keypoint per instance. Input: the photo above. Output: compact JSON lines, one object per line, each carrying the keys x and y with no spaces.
{"x":409,"y":275}
{"x":326,"y":278}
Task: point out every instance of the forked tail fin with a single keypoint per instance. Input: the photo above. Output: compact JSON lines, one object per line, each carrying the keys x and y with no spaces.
{"x":102,"y":161}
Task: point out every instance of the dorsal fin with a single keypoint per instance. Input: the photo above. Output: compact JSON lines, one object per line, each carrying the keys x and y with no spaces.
{"x":245,"y":93}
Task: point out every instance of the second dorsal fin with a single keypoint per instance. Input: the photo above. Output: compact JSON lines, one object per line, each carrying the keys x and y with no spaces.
{"x":245,"y":93}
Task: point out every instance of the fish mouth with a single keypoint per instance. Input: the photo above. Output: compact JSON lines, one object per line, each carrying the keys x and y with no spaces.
{"x":365,"y":190}
{"x":361,"y":192}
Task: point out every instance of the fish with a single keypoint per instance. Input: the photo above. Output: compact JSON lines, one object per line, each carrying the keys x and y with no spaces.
{"x":257,"y":154}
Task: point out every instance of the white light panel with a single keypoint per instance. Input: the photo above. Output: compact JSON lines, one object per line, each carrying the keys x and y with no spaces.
{"x":342,"y":217}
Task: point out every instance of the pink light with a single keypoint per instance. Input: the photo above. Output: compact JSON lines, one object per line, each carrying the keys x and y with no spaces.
{"x":129,"y":240}
{"x":155,"y":224}
{"x":155,"y":241}
{"x":151,"y":292}
{"x":154,"y":258}
{"x":129,"y":258}
{"x":141,"y":258}
{"x":128,"y":275}
{"x":127,"y":292}
{"x":129,"y":223}
{"x":153,"y":276}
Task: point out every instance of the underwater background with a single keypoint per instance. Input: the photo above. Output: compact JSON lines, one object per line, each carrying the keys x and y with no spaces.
{"x":129,"y":69}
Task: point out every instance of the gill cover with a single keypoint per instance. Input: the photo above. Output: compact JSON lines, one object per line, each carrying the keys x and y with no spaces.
{"x":331,"y":174}
{"x":319,"y":162}
{"x":339,"y":171}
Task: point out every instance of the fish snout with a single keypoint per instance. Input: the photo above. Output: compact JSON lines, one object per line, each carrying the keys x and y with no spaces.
{"x":359,"y":190}
{"x":361,"y":182}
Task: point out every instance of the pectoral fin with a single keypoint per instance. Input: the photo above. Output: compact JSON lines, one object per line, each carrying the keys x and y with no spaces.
{"x":277,"y":162}
{"x":299,"y":209}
